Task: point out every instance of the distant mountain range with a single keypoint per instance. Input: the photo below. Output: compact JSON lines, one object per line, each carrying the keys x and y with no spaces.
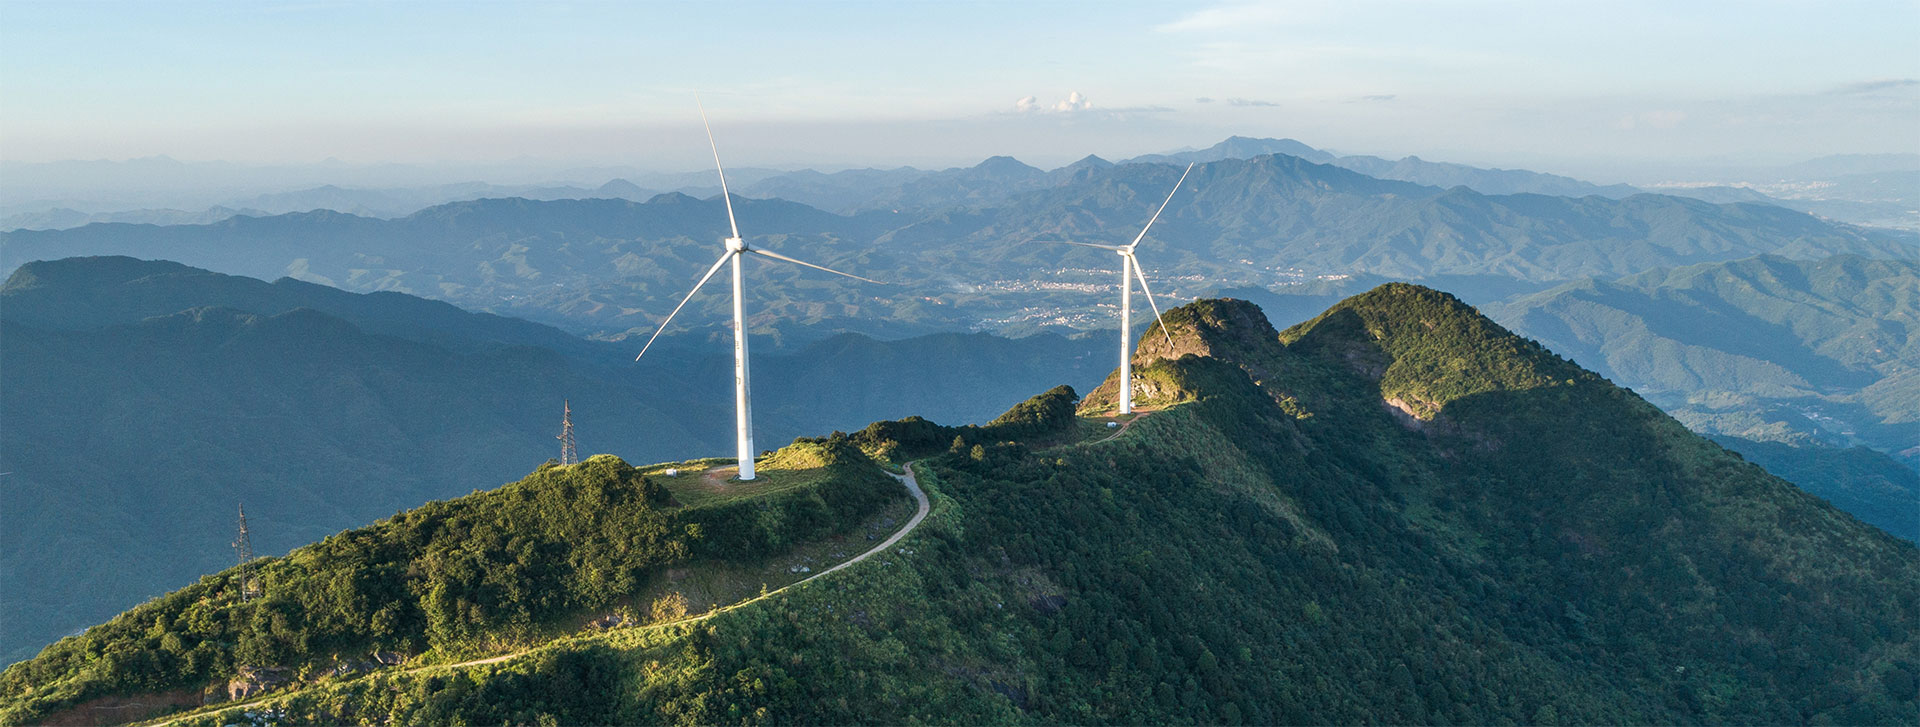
{"x":381,"y":203}
{"x":612,"y":267}
{"x":1828,"y":350}
{"x":1394,"y":513}
{"x":1875,"y":190}
{"x":61,"y":218}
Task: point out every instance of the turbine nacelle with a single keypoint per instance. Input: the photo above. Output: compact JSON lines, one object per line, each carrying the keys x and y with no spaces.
{"x":1129,"y":272}
{"x":735,"y":244}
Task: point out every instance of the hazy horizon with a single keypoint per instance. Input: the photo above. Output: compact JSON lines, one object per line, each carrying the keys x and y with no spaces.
{"x":1608,"y":92}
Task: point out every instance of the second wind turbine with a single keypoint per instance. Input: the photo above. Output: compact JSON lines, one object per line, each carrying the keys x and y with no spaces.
{"x":736,"y":248}
{"x":1129,"y":271}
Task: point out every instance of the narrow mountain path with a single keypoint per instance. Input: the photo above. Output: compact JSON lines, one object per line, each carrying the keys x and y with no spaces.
{"x":921,"y":507}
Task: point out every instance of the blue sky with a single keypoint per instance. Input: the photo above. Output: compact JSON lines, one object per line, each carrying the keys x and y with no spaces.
{"x":1554,"y":85}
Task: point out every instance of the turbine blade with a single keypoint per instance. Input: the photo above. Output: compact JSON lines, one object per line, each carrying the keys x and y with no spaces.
{"x":724,"y":196}
{"x":683,"y":301}
{"x":778,"y":256}
{"x":1115,"y":248}
{"x":1163,"y":207}
{"x":1156,"y":307}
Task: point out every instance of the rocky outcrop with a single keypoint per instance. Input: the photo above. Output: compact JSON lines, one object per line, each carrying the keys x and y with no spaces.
{"x":252,"y":681}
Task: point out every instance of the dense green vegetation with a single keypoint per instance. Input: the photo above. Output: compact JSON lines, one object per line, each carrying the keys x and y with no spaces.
{"x":1872,"y":486}
{"x":1515,"y":541}
{"x":455,"y":578}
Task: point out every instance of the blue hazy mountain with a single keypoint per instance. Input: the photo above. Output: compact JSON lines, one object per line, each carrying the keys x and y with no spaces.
{"x":145,"y":399}
{"x":1245,"y":220}
{"x":1238,"y":147}
{"x":612,"y":267}
{"x":1485,"y":181}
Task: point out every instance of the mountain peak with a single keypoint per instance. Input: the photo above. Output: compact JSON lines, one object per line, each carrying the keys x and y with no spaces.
{"x":1427,"y":349}
{"x":1090,"y":161}
{"x":1421,"y":347}
{"x":89,"y":272}
{"x":1225,"y":328}
{"x":1247,"y":147}
{"x":672,"y":198}
{"x":620,"y":188}
{"x":1004,"y":165}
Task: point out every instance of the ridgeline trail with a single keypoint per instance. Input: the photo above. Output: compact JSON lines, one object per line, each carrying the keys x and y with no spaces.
{"x":921,"y":507}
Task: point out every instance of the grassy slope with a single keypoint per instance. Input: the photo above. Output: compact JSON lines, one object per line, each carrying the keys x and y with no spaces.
{"x":485,"y":573}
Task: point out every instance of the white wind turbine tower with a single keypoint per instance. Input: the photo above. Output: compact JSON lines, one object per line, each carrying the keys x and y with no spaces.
{"x":736,"y":248}
{"x":1130,"y":271}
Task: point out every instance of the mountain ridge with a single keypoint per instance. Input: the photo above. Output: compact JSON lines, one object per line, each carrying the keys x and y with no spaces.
{"x":1521,"y":541}
{"x":608,"y":268}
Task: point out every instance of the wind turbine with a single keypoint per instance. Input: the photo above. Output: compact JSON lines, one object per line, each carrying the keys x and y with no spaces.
{"x":1129,"y":271}
{"x":736,"y":249}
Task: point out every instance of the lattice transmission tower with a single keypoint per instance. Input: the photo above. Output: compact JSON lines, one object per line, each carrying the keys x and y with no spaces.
{"x":243,"y":547}
{"x":569,"y":454}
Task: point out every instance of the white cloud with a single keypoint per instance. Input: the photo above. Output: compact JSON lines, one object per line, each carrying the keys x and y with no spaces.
{"x":1075,"y":102}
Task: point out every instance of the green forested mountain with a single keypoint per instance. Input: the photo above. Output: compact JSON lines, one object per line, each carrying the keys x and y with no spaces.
{"x":601,"y":260}
{"x":144,"y":400}
{"x":516,"y":564}
{"x":1865,"y":482}
{"x":1396,"y":512}
{"x":1765,"y":348}
{"x":86,"y":293}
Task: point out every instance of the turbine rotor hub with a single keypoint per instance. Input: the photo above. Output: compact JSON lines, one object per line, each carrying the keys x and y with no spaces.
{"x":735,"y":244}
